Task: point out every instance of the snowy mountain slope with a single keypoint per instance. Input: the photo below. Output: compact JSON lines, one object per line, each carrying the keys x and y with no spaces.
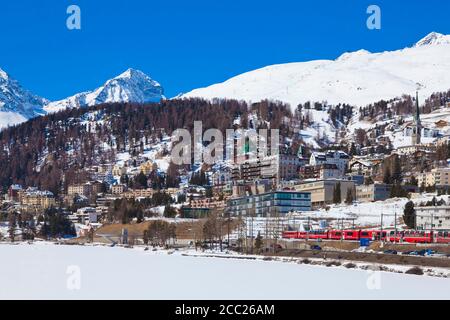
{"x":130,"y":86}
{"x":357,"y":78}
{"x":17,"y":104}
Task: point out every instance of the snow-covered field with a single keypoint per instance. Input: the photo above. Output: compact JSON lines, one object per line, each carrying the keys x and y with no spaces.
{"x":46,"y":271}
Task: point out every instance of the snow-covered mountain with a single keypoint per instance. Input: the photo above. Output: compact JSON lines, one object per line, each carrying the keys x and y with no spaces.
{"x":357,"y":78}
{"x":17,"y":104}
{"x":130,"y":86}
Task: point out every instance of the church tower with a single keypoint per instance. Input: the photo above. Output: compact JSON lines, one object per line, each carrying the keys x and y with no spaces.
{"x":417,"y":129}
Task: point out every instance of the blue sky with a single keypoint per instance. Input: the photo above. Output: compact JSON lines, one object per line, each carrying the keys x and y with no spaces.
{"x":190,"y":44}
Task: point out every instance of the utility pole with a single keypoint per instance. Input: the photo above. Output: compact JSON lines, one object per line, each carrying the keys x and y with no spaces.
{"x":431,"y":229}
{"x":253,"y":210}
{"x":395,"y":222}
{"x":228,"y":227}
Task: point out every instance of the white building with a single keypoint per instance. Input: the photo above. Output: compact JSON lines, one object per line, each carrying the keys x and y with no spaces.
{"x":434,"y":217}
{"x":337,"y":157}
{"x":87,"y":215}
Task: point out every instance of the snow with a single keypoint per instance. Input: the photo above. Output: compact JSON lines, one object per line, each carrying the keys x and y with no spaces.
{"x":17,"y":104}
{"x":10,"y":118}
{"x":357,"y":78}
{"x":434,"y":38}
{"x":45,"y":271}
{"x":130,"y":86}
{"x":369,"y":213}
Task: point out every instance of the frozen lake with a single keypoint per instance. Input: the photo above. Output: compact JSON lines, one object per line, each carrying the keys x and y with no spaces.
{"x":46,"y":271}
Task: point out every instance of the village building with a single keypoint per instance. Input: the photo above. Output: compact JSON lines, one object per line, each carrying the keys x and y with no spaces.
{"x":434,"y":217}
{"x":439,"y":177}
{"x":322,"y":191}
{"x":271,"y":204}
{"x":373,"y":192}
{"x":34,"y":198}
{"x":337,"y":157}
{"x":118,"y":189}
{"x":147,"y":167}
{"x":321,"y":172}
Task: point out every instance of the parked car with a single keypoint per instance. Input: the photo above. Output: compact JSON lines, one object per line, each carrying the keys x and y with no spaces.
{"x":411,"y":253}
{"x":390,"y":252}
{"x":426,"y":252}
{"x":316,"y":247}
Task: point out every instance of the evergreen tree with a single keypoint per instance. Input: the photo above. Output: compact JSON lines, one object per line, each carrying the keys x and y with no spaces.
{"x":258,"y":241}
{"x":397,"y":171}
{"x":209,"y":193}
{"x":349,"y":198}
{"x":140,"y":181}
{"x":169,"y":211}
{"x":353,"y":151}
{"x":397,"y":191}
{"x":12,"y":223}
{"x":387,"y":178}
{"x":337,"y":194}
{"x":409,"y":215}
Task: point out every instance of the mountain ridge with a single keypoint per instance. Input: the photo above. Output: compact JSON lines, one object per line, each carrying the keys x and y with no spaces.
{"x":130,"y":86}
{"x":358,"y":78}
{"x":18,"y":105}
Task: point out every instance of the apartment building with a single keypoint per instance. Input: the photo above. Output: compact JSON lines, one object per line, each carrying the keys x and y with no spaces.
{"x":118,"y":170}
{"x":118,"y":188}
{"x":438,"y":176}
{"x":270,"y":204}
{"x":322,"y":191}
{"x":337,"y":157}
{"x":210,"y":203}
{"x":138,"y":193}
{"x":322,"y":172}
{"x":277,"y":167}
{"x":14,"y":192}
{"x":37,"y":199}
{"x":86,"y":189}
{"x":373,"y":192}
{"x":436,"y":218}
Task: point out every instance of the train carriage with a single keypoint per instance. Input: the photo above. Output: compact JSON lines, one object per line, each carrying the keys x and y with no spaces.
{"x":442,"y":237}
{"x":351,"y":235}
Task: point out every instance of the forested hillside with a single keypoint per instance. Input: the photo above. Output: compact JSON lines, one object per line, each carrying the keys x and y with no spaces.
{"x":38,"y":152}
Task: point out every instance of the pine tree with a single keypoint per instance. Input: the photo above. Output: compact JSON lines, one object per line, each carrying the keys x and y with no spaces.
{"x":12,"y":225}
{"x":349,"y":198}
{"x":409,"y":215}
{"x":397,"y":171}
{"x":258,"y":241}
{"x":337,"y":194}
{"x":169,"y":211}
{"x":353,"y":151}
{"x":387,"y":178}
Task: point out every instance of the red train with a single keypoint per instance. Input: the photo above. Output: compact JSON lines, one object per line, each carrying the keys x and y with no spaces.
{"x":356,"y":235}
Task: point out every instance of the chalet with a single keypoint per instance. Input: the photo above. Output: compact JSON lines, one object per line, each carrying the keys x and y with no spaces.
{"x":362,"y":167}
